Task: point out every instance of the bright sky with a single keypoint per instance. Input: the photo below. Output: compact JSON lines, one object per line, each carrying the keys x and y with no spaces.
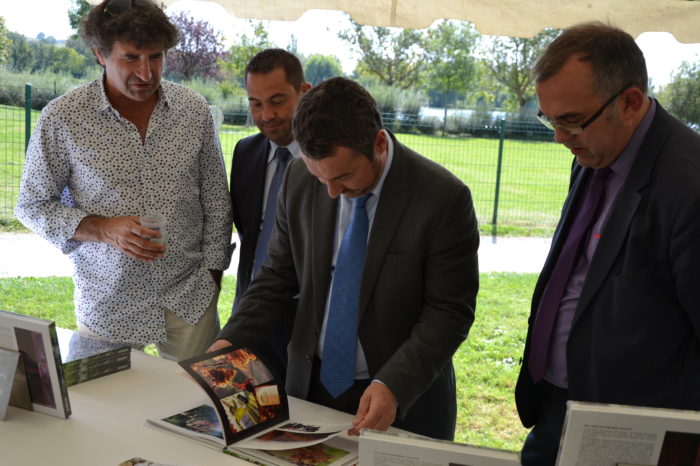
{"x":315,"y":32}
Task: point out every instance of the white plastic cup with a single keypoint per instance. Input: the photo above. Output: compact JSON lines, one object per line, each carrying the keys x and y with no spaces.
{"x":154,"y":222}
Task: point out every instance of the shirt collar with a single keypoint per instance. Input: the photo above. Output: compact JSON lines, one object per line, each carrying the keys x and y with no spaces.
{"x":623,"y":164}
{"x":292,"y":147}
{"x":389,"y":158}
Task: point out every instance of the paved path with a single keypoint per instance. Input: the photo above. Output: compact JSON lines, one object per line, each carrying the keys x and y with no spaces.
{"x":27,"y":255}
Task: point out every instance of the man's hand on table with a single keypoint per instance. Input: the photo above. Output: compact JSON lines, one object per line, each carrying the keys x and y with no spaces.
{"x":377,"y":409}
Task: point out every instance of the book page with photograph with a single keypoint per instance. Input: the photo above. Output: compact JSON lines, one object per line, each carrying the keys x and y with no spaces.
{"x":336,"y":451}
{"x":610,"y":435}
{"x":201,"y":423}
{"x":247,"y":407}
{"x":246,"y":395}
{"x":138,"y":461}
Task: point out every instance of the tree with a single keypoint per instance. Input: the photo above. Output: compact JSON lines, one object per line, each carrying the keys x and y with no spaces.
{"x":5,"y":42}
{"x":321,"y":67}
{"x":21,"y":56}
{"x":43,"y":55}
{"x":76,"y":13}
{"x":450,"y":51}
{"x":682,"y":95}
{"x":199,"y":51}
{"x":395,"y":57}
{"x":68,"y":61}
{"x":240,"y":54}
{"x":512,"y":60}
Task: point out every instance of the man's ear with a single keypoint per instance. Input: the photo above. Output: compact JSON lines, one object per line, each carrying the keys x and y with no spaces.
{"x":381,"y":143}
{"x":99,"y":57}
{"x":633,"y":99}
{"x":304,"y":87}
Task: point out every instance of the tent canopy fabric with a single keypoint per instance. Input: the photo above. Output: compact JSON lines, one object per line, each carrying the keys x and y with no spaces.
{"x":519,"y":18}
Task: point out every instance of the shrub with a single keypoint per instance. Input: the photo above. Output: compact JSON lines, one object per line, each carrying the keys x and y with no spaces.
{"x":227,"y":96}
{"x":235,"y":110}
{"x":429,"y":125}
{"x":45,"y":86}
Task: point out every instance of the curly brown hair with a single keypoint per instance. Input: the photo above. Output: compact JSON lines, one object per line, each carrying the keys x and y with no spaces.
{"x":142,"y":24}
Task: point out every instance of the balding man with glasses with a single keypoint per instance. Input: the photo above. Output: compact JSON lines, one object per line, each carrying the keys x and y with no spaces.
{"x":125,"y":175}
{"x":615,"y":313}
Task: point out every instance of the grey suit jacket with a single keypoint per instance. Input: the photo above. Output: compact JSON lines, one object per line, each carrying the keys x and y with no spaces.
{"x":635,"y":338}
{"x":418,"y":288}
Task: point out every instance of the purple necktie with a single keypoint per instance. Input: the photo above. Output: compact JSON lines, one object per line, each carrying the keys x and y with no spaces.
{"x":559,"y":278}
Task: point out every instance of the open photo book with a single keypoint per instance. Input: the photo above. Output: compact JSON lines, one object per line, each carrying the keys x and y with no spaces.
{"x":618,"y":435}
{"x":247,"y":414}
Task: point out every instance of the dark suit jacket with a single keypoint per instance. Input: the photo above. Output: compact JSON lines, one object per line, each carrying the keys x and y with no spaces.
{"x":248,"y":169}
{"x":247,"y":189}
{"x":635,"y":337}
{"x":417,"y":294}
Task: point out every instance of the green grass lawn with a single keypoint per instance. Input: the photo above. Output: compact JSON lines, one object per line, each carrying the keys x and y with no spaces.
{"x":486,"y":364}
{"x":533,"y":177}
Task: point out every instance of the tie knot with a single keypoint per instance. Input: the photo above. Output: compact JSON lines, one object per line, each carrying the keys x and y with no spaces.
{"x":361,"y":201}
{"x":282,"y":154}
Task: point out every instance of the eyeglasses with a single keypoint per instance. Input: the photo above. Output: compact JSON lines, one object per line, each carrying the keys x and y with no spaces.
{"x":117,"y":7}
{"x":572,"y":128}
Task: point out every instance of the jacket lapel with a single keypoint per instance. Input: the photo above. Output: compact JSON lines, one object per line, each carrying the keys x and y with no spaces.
{"x":323,"y":219}
{"x":617,"y":227}
{"x":387,"y":218}
{"x":579,"y":177}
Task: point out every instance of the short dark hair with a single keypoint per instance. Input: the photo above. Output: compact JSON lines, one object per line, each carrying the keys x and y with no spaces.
{"x":615,"y":58}
{"x":270,"y":59}
{"x":337,"y":112}
{"x":143,"y":25}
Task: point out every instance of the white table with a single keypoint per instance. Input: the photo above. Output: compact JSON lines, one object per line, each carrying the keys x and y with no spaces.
{"x":108,"y":424}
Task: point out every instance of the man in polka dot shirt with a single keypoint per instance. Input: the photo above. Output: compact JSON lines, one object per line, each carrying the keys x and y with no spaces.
{"x":124,"y":148}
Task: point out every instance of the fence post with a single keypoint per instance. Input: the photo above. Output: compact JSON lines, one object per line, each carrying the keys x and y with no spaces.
{"x":27,"y":114}
{"x":499,"y":167}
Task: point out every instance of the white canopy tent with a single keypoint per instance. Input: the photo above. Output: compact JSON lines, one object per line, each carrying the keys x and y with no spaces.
{"x":522,"y":18}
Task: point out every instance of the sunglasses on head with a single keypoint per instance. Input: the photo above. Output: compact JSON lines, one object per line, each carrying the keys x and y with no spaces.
{"x":117,"y":7}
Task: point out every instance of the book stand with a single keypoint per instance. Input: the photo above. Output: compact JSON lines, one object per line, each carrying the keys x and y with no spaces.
{"x":14,"y":389}
{"x":36,"y":370}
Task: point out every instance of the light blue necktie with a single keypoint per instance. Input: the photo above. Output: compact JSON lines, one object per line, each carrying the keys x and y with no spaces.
{"x":283,"y":156}
{"x":340,"y":344}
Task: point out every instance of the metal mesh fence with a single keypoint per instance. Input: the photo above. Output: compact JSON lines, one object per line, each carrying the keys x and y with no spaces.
{"x":12,"y":141}
{"x":518,"y":177}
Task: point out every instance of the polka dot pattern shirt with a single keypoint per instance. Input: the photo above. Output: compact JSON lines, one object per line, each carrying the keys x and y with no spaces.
{"x":85,"y":159}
